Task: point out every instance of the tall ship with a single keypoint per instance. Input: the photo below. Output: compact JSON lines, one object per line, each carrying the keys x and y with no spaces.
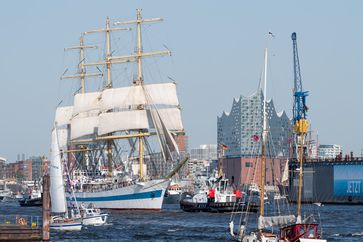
{"x":114,"y":139}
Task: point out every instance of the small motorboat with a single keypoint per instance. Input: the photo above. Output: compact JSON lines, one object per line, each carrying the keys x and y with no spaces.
{"x":90,"y":215}
{"x":34,"y":199}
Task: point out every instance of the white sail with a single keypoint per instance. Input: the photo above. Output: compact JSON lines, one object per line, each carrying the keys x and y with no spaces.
{"x":63,"y":137}
{"x":86,"y":102}
{"x":137,"y":119}
{"x":171,"y":117}
{"x":120,"y":121}
{"x":63,"y":115}
{"x":84,"y":124}
{"x":126,"y":97}
{"x":163,"y":93}
{"x":285,"y":174}
{"x":57,"y":194}
{"x":169,"y":139}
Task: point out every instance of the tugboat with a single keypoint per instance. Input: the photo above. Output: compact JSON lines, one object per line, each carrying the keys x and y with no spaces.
{"x":33,"y":200}
{"x":173,"y":194}
{"x":220,"y":198}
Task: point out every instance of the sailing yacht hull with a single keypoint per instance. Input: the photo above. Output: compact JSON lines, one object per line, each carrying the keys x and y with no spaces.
{"x":71,"y":226}
{"x":147,"y":195}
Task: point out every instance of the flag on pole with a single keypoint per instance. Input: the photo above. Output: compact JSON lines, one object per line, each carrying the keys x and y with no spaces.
{"x":255,"y":138}
{"x":224,"y":147}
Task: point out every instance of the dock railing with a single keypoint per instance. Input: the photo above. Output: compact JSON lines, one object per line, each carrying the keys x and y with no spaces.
{"x":34,"y":222}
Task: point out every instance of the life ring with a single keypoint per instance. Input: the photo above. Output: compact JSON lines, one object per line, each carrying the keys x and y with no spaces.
{"x":21,"y":221}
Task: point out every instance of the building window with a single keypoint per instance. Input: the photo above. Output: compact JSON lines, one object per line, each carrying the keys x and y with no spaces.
{"x":248,"y":164}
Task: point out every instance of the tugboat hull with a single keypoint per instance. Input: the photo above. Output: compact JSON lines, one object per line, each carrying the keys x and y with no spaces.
{"x":212,"y":207}
{"x":33,"y":202}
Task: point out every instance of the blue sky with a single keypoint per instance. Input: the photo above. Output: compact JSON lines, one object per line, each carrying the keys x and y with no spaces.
{"x":218,"y":56}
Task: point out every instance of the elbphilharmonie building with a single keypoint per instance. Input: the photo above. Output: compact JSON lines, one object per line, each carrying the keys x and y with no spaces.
{"x":241,"y":129}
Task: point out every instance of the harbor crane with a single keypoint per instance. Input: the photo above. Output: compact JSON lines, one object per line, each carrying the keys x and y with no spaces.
{"x":300,"y":109}
{"x":301,"y":123}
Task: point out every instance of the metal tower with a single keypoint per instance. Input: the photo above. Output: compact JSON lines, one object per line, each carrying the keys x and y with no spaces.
{"x":301,"y":124}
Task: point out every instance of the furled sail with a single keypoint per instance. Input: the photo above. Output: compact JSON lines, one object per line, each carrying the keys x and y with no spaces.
{"x":57,"y":194}
{"x":122,"y":121}
{"x":63,"y":115}
{"x":276,"y":221}
{"x":126,"y":97}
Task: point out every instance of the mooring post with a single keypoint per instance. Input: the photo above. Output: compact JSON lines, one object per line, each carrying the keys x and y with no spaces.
{"x":46,"y":207}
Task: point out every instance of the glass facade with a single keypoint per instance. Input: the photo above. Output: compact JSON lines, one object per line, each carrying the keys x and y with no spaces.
{"x":241,"y":129}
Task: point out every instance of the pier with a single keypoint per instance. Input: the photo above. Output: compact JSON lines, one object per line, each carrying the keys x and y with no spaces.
{"x":26,"y":227}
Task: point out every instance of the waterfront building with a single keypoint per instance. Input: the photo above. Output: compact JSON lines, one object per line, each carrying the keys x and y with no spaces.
{"x":312,"y":150}
{"x":201,"y":160}
{"x":241,"y":129}
{"x":204,"y":152}
{"x":330,"y":151}
{"x":182,"y":143}
{"x":247,"y":170}
{"x":157,"y":167}
{"x":24,"y":170}
{"x":36,"y":167}
{"x":2,"y":168}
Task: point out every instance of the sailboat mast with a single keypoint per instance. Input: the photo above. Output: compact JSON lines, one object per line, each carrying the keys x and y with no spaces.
{"x":300,"y":179}
{"x":139,"y":48}
{"x":263,"y":149}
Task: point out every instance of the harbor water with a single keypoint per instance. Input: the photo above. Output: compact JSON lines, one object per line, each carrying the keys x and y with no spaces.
{"x":339,"y":223}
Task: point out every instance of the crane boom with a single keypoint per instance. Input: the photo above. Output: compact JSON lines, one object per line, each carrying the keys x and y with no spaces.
{"x":299,"y":108}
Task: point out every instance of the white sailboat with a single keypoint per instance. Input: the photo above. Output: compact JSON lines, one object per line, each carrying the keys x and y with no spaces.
{"x":95,"y":126}
{"x":264,"y":222}
{"x":291,"y":228}
{"x":60,"y":221}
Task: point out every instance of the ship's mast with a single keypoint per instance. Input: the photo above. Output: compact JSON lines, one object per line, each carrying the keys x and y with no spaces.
{"x":107,"y":30}
{"x":81,"y":68}
{"x":139,"y":81}
{"x":109,"y":60}
{"x":263,"y":148}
